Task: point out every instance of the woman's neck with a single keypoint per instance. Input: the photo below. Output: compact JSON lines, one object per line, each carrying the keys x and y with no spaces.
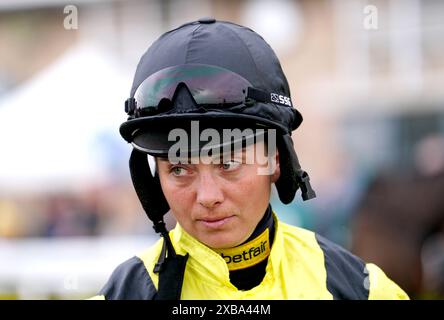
{"x":247,"y":261}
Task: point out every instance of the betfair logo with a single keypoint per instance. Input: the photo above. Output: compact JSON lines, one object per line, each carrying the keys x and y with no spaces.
{"x":248,"y":254}
{"x":245,"y":256}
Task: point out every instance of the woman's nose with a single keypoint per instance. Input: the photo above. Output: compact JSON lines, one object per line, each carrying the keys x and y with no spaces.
{"x":209,"y":193}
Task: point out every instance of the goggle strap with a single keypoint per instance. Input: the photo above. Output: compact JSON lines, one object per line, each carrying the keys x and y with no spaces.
{"x":257,"y":95}
{"x":130,"y":106}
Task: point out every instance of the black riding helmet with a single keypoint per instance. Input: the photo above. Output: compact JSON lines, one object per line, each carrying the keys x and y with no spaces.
{"x":223,"y":75}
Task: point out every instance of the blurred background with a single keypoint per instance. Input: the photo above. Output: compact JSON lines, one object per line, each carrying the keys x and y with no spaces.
{"x":368,"y":77}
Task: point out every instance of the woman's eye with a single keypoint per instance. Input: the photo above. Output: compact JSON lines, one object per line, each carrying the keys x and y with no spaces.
{"x":230,"y":165}
{"x":178,"y":171}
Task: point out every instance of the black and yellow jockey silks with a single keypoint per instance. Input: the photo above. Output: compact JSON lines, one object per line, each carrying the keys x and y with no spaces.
{"x":300,"y":265}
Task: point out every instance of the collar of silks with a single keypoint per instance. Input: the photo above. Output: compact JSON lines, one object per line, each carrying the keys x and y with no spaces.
{"x":247,"y":254}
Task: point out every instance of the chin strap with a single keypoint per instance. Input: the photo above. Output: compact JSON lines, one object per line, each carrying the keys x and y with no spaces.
{"x":170,"y":266}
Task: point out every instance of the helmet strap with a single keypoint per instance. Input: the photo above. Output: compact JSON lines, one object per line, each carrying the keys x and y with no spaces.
{"x":292,"y":176}
{"x":170,"y":266}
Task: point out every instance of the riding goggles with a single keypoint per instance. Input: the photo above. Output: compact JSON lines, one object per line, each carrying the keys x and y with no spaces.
{"x":210,"y":86}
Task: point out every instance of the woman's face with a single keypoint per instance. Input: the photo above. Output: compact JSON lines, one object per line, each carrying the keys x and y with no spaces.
{"x":219,"y":204}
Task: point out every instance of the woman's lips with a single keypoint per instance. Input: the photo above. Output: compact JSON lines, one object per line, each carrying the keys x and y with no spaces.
{"x":215,"y":223}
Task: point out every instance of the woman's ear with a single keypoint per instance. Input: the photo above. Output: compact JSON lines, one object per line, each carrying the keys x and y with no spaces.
{"x":277,"y":171}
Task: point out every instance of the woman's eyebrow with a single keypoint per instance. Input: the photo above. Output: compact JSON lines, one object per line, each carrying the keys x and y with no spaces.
{"x":231,"y":154}
{"x":178,"y":161}
{"x":219,"y":156}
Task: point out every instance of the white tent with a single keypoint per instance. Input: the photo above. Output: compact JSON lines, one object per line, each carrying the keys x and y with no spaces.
{"x":51,"y":126}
